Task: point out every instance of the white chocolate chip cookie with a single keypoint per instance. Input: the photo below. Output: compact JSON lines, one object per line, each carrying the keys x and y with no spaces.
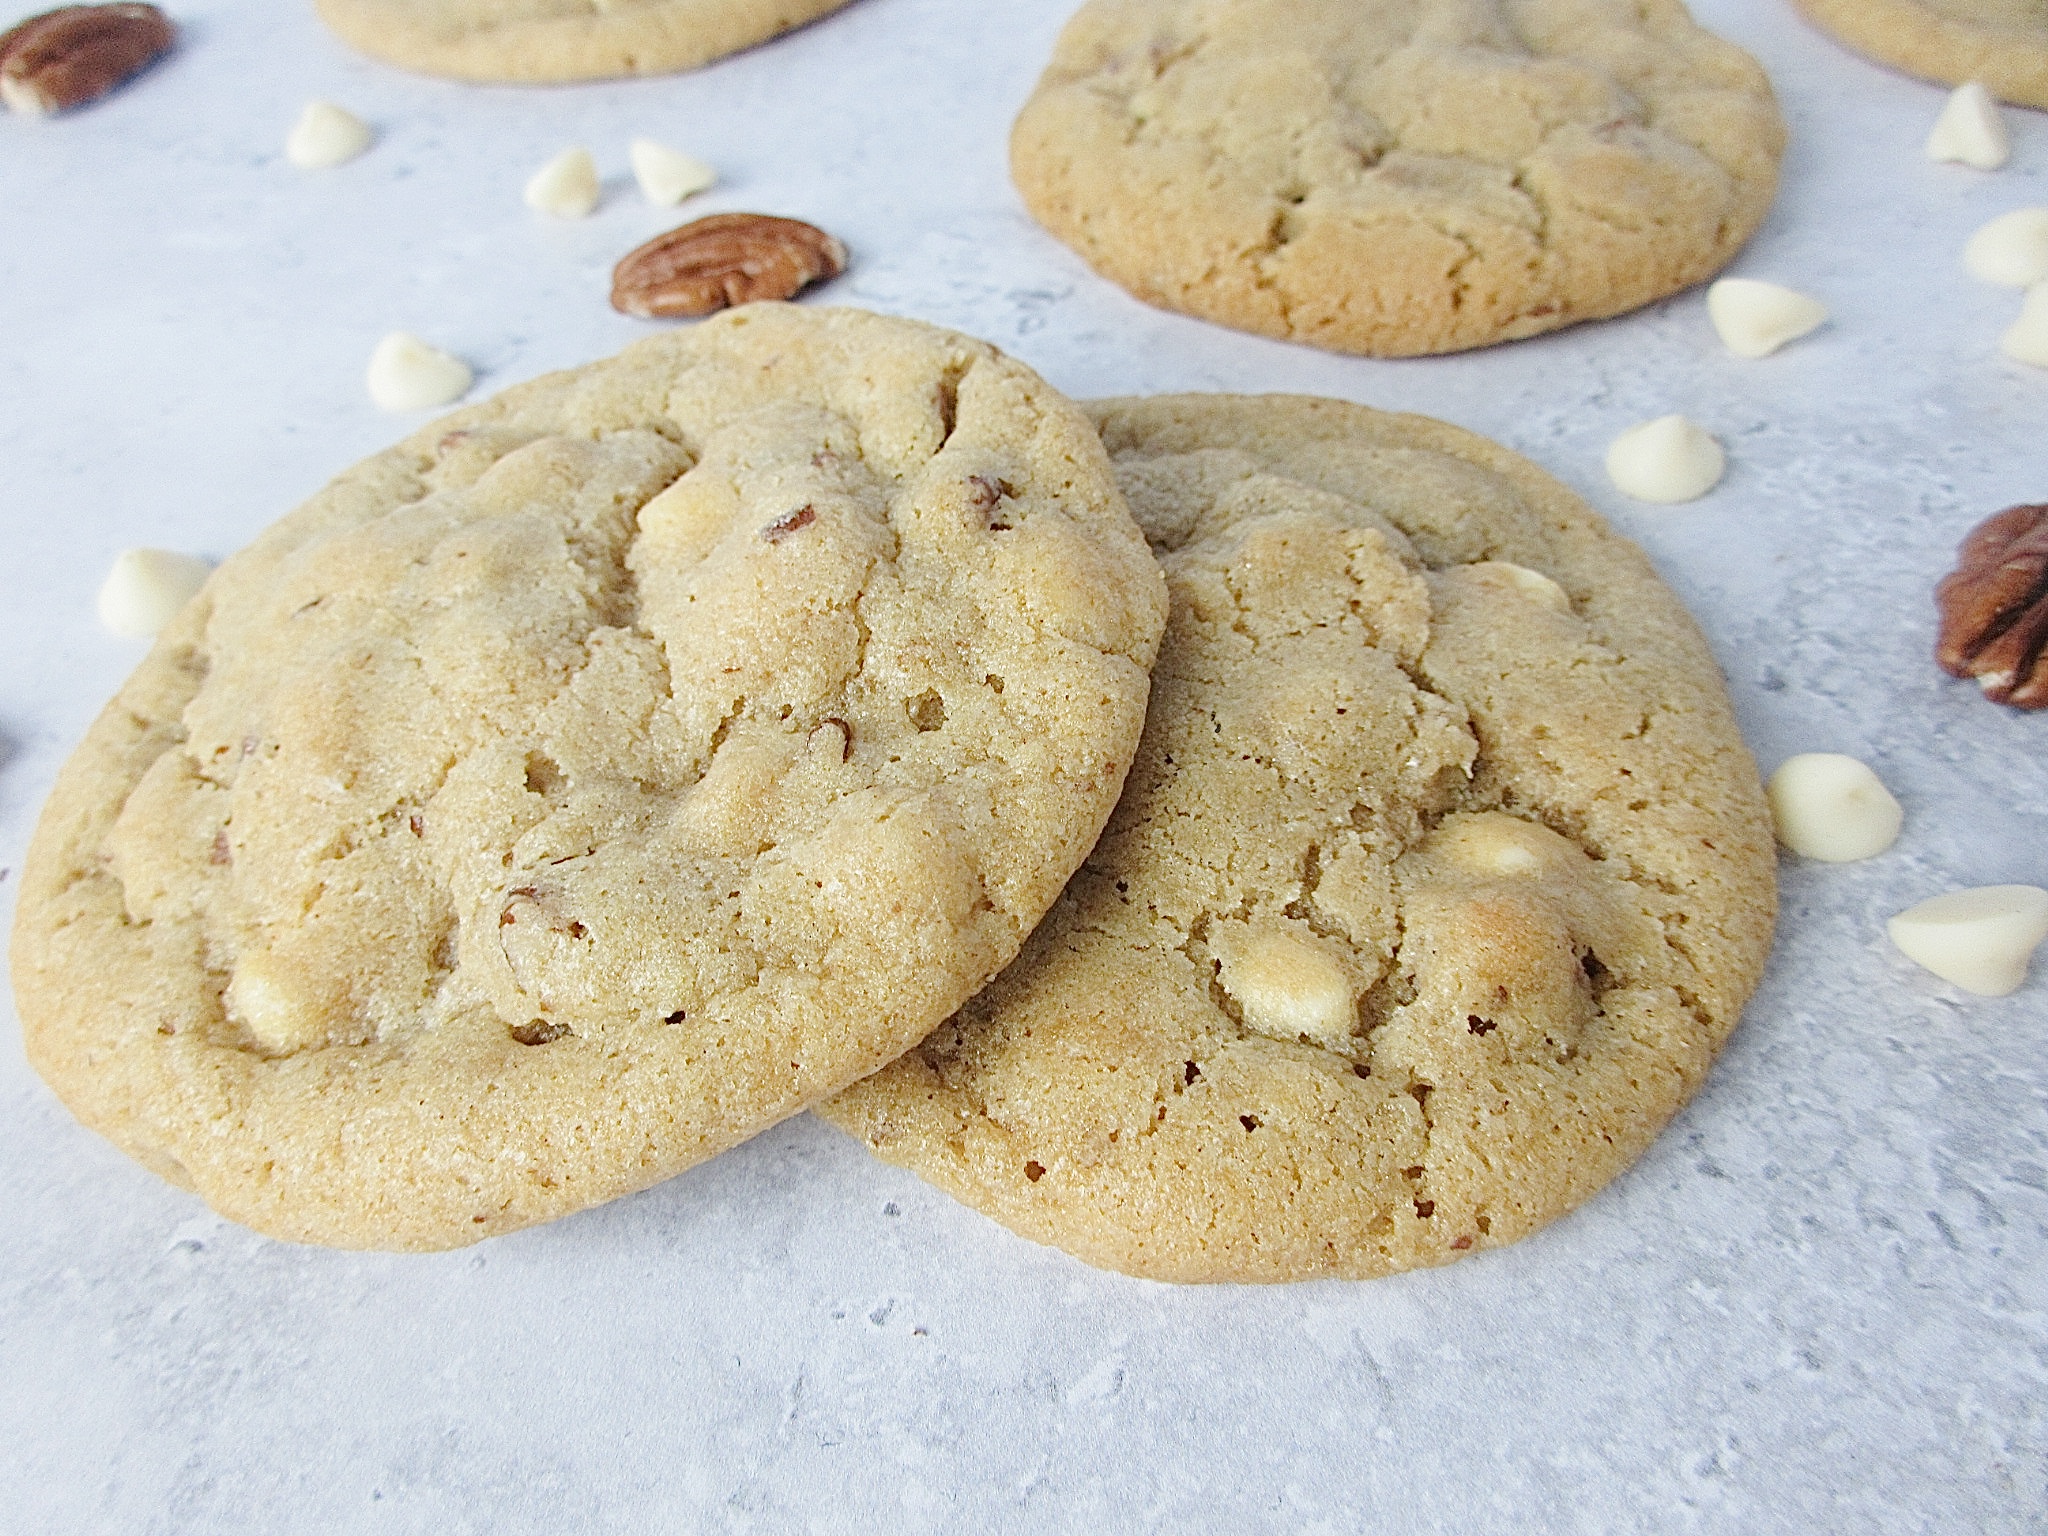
{"x":599,"y":776}
{"x":1398,"y":178}
{"x":1440,"y":877}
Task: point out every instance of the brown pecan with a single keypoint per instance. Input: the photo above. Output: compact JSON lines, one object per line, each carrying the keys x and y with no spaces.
{"x":68,"y":57}
{"x":729,"y":258}
{"x":1994,"y":608}
{"x":790,"y":522}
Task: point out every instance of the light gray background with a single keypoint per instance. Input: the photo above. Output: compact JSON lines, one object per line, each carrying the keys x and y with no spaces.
{"x":1817,"y":1304}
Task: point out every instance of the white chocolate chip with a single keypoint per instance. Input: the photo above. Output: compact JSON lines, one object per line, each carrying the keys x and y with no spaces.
{"x":1970,"y":130}
{"x":567,"y":186}
{"x":1981,"y":940}
{"x":1534,"y":585}
{"x":260,"y":999}
{"x":325,"y":136}
{"x":147,"y":587}
{"x":1666,"y":460}
{"x":1492,"y":843}
{"x":408,"y":375}
{"x":2026,"y":340}
{"x":1287,"y":988}
{"x":2012,"y":250}
{"x":667,"y":176}
{"x":1756,"y":318}
{"x":1832,"y":807}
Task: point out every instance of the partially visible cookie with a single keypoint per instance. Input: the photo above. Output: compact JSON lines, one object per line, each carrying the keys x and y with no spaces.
{"x":595,"y":778}
{"x":2003,"y":43}
{"x":539,"y":41}
{"x":1396,"y":178}
{"x":1440,"y":877}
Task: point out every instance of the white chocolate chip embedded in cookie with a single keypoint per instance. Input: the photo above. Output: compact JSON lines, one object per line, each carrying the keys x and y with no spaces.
{"x":1980,"y":939}
{"x":1287,"y":985}
{"x":1519,"y":579}
{"x":1831,"y":807}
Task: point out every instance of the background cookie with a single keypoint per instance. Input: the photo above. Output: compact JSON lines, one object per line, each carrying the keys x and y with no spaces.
{"x":1398,"y":179}
{"x":1441,"y":874}
{"x":595,"y":778}
{"x":549,"y":40}
{"x":2003,"y":43}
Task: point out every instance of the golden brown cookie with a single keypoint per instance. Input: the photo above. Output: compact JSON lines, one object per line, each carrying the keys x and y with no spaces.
{"x":1398,"y":178}
{"x":1440,"y":877}
{"x":2003,"y":43}
{"x":541,"y":41}
{"x":597,"y":777}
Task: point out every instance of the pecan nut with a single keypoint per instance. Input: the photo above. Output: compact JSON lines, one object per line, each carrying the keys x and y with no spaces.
{"x":1994,"y":608}
{"x":728,"y":258}
{"x":68,"y":57}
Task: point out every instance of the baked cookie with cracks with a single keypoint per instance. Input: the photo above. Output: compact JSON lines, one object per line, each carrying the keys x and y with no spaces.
{"x":551,"y":41}
{"x":592,"y":780}
{"x":1440,"y":877}
{"x":1398,"y":177}
{"x":2003,"y":43}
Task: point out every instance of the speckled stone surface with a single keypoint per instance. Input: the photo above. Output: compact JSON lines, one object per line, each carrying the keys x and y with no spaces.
{"x":1819,"y":1303}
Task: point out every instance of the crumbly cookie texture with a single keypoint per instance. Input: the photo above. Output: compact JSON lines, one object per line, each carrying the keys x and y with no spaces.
{"x":2003,"y":43}
{"x":537,"y":41}
{"x":597,"y":777}
{"x":1393,"y":178}
{"x":1440,"y":876}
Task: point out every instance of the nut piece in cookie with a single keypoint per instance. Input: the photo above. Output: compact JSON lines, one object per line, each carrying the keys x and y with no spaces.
{"x":1994,"y":608}
{"x":68,"y":57}
{"x":725,"y":259}
{"x":1396,"y":177}
{"x":1440,"y":876}
{"x":592,"y":780}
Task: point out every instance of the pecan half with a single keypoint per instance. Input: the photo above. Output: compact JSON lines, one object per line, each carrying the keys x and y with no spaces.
{"x":729,"y":258}
{"x":68,"y":57}
{"x":1994,"y":608}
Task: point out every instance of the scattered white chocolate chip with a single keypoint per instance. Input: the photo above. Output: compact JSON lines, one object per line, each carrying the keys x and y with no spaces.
{"x":408,"y":375}
{"x":1970,"y":130}
{"x":325,"y":136}
{"x":1756,"y":318}
{"x":1981,"y":940}
{"x":1831,"y":807}
{"x":567,"y":186}
{"x":667,"y":176}
{"x":147,"y":587}
{"x":2026,"y":340}
{"x":1666,"y":460}
{"x":1534,"y":585}
{"x":1289,"y":989}
{"x":2012,"y":250}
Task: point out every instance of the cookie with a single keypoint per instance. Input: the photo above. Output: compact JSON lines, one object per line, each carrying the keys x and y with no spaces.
{"x":1398,"y":179}
{"x":2003,"y":43}
{"x":597,"y":777}
{"x":541,"y":41}
{"x":1440,"y":877}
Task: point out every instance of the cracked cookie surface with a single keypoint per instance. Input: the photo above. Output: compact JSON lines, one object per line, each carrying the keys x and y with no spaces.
{"x":537,"y":41}
{"x":596,"y":778}
{"x":1440,"y":876}
{"x":1401,"y":176}
{"x":2003,"y":43}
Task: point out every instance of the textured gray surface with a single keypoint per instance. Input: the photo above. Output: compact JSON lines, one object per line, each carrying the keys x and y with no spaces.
{"x":1820,"y":1303}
